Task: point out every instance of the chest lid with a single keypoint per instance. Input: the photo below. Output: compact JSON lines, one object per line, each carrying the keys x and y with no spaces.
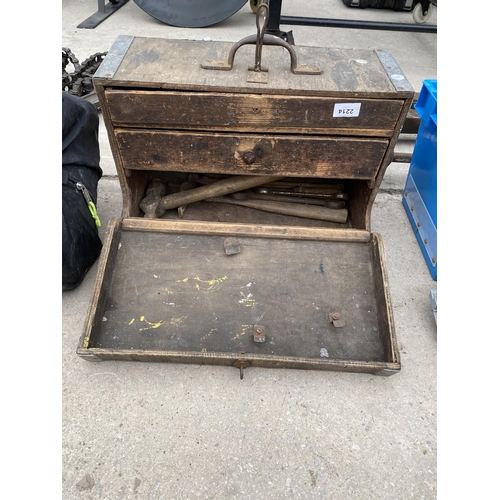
{"x":140,"y":62}
{"x":241,"y":295}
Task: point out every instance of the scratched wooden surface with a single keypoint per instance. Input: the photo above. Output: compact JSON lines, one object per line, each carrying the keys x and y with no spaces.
{"x":175,"y":64}
{"x":290,"y":155}
{"x":177,"y":292}
{"x":246,"y":112}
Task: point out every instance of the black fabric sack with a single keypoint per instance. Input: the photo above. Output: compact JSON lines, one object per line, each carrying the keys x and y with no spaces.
{"x":81,"y":245}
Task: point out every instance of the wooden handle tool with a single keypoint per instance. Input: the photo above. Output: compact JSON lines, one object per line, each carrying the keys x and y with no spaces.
{"x":190,"y":184}
{"x":250,"y":195}
{"x":287,"y":185}
{"x":323,"y":196}
{"x":219,"y":188}
{"x":294,"y":209}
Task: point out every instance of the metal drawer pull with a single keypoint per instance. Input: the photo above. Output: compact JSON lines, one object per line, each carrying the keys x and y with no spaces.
{"x":258,"y":73}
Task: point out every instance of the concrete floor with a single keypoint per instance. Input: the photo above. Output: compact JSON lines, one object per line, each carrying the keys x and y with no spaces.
{"x":169,"y":431}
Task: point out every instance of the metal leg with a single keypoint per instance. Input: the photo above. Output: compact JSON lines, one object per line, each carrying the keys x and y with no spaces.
{"x":103,"y":12}
{"x":275,"y":18}
{"x":273,"y":25}
{"x":425,"y":6}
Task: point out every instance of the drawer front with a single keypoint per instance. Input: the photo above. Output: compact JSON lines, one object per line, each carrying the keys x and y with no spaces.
{"x":246,"y":112}
{"x":302,"y":156}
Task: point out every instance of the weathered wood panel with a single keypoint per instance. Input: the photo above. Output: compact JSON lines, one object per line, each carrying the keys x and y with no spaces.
{"x":308,"y":232}
{"x":181,"y":293}
{"x":175,"y":64}
{"x":286,"y":155}
{"x":247,"y":112}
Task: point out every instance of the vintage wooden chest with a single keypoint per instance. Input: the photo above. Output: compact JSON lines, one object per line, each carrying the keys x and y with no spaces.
{"x":236,"y":279}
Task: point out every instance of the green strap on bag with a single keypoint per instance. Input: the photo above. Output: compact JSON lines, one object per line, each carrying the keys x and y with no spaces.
{"x":90,"y":203}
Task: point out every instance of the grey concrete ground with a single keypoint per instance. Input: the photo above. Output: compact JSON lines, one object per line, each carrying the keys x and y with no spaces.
{"x":168,"y":431}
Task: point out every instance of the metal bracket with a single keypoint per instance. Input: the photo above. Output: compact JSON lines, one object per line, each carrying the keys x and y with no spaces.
{"x":104,"y":11}
{"x":336,"y":320}
{"x":259,"y":333}
{"x":386,"y":372}
{"x":232,"y":246}
{"x":90,"y":357}
{"x":422,"y":220}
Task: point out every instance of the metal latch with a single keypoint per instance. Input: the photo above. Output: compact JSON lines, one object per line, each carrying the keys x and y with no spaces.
{"x":241,"y":363}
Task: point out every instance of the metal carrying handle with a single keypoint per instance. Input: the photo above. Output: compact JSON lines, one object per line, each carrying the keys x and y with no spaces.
{"x":259,"y":40}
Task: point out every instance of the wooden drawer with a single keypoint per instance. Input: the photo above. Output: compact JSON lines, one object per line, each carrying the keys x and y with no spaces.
{"x":246,"y":112}
{"x":287,"y":155}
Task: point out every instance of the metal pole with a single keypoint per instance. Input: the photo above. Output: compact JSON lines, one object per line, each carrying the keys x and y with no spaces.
{"x":274,"y":15}
{"x":366,"y":25}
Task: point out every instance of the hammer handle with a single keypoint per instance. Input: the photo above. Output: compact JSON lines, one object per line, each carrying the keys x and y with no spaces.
{"x":279,"y":207}
{"x":219,"y":188}
{"x":250,"y":195}
{"x":324,"y":196}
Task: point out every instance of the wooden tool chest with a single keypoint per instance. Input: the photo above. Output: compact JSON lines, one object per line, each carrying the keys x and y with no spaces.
{"x":229,"y":280}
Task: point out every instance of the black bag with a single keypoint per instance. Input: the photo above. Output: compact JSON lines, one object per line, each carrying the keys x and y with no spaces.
{"x":81,"y":172}
{"x":81,"y":244}
{"x":382,"y":4}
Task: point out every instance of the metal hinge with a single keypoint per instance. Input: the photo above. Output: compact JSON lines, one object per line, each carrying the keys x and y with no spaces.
{"x":241,"y":363}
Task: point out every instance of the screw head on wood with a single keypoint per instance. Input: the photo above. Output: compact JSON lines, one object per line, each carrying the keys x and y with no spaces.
{"x":249,"y":157}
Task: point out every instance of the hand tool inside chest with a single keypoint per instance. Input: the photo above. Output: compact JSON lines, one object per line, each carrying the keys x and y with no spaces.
{"x":248,"y":173}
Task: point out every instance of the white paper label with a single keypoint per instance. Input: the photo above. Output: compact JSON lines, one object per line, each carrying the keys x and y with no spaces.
{"x":346,"y":110}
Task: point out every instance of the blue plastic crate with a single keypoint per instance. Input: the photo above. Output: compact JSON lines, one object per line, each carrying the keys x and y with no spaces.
{"x":420,"y":193}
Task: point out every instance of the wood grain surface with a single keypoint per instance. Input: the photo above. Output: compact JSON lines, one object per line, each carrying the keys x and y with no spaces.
{"x":280,"y":155}
{"x":181,"y":292}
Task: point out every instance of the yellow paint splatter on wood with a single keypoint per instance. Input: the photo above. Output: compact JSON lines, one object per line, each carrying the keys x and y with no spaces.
{"x":173,"y":322}
{"x":205,"y":337}
{"x":177,"y":321}
{"x":208,"y":285}
{"x":204,"y":285}
{"x":151,"y":325}
{"x":244,"y":331}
